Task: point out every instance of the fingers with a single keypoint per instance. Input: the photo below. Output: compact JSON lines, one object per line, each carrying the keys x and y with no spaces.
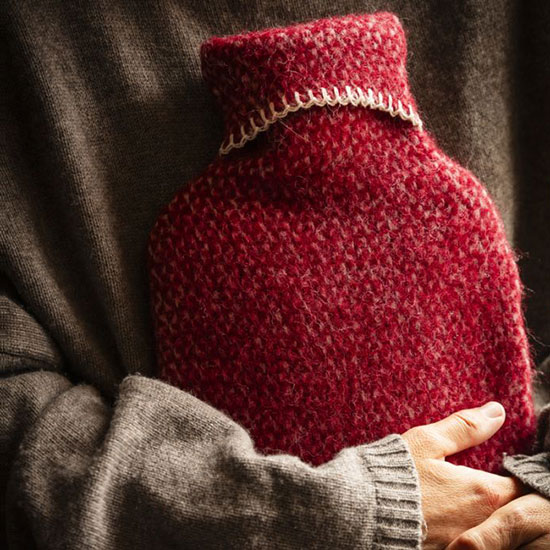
{"x":461,"y":430}
{"x":542,"y":543}
{"x":488,"y":492}
{"x":500,"y":490}
{"x":518,"y":523}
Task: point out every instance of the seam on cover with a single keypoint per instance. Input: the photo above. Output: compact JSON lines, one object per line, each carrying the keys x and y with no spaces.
{"x":354,"y":96}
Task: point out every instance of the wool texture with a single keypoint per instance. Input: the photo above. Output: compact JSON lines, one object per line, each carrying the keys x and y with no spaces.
{"x":333,"y":276}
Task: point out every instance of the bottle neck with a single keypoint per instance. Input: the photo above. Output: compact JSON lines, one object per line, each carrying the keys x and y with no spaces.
{"x":260,"y":78}
{"x":325,"y":154}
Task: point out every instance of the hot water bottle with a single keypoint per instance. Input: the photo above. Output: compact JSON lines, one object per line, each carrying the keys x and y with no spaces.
{"x":333,"y":276}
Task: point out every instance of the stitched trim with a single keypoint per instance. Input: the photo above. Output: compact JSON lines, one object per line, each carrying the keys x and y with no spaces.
{"x":355,"y":96}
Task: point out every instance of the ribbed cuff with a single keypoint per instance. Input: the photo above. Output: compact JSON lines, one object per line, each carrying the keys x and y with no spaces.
{"x":398,"y":517}
{"x":534,"y":470}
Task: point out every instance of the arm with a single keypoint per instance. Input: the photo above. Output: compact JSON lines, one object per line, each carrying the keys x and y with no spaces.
{"x":162,"y":469}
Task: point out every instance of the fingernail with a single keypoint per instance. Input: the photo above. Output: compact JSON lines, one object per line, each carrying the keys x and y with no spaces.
{"x":493,"y":409}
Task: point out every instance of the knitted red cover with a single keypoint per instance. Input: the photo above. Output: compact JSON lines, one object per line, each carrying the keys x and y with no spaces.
{"x":332,"y":276}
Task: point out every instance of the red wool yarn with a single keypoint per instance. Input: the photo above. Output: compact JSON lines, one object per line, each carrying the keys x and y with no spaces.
{"x":332,"y":276}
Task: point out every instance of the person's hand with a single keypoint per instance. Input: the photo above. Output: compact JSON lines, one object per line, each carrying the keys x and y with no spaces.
{"x":524,"y":521}
{"x":456,"y":498}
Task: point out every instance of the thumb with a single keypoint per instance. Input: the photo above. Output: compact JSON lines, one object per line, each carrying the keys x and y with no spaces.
{"x":461,"y":430}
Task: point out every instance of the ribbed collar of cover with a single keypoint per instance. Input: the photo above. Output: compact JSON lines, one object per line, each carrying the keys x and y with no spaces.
{"x":260,"y":77}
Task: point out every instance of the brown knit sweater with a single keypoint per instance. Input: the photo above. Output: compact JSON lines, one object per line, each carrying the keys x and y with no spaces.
{"x":103,"y":117}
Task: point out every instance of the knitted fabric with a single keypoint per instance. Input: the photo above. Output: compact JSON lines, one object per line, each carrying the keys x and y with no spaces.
{"x":333,"y":277}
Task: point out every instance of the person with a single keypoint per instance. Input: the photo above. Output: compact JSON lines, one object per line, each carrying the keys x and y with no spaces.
{"x":104,"y":117}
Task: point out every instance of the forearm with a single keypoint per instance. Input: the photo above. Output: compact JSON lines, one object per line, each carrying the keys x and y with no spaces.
{"x":163,"y":468}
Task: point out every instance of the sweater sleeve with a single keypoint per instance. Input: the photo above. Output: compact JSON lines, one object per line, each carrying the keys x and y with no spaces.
{"x":162,"y":469}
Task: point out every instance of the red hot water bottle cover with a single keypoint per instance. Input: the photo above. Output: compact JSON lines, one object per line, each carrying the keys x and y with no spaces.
{"x":332,"y":276}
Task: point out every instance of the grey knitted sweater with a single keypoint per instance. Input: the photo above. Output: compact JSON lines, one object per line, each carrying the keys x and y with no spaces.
{"x":103,"y":117}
